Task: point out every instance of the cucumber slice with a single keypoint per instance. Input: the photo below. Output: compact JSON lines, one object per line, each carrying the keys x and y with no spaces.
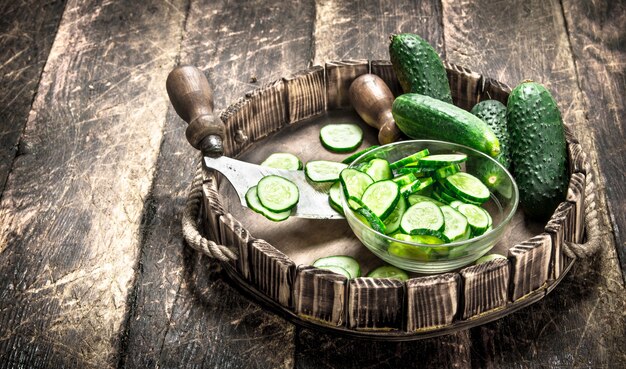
{"x":388,"y":271}
{"x":415,"y":198}
{"x":405,"y":179}
{"x":417,"y":172}
{"x":253,"y":203}
{"x":336,"y":269}
{"x":409,"y":159}
{"x":412,"y":187}
{"x":456,"y":226}
{"x":323,"y":170}
{"x":423,"y":215}
{"x":381,"y":198}
{"x":354,"y":184}
{"x":430,"y":236}
{"x":490,"y":221}
{"x":277,"y":193}
{"x":486,"y":258}
{"x":378,"y":169}
{"x":392,"y":223}
{"x":282,"y":160}
{"x":443,"y":195}
{"x":374,"y":221}
{"x":354,"y":156}
{"x":476,"y":217}
{"x":409,"y":251}
{"x":334,"y":197}
{"x":441,"y":160}
{"x":425,"y":184}
{"x":446,"y":171}
{"x":455,"y":204}
{"x":341,"y":137}
{"x":344,"y":262}
{"x":466,"y":186}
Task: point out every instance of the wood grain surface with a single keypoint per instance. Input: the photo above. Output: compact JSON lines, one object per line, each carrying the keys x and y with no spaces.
{"x":27,"y":31}
{"x":93,"y":269}
{"x":72,"y":206}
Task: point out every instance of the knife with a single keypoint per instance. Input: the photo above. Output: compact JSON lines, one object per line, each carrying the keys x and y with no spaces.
{"x":192,"y":98}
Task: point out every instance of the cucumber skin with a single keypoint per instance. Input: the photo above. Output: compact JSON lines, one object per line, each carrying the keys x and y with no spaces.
{"x":493,"y":112}
{"x":419,"y":116}
{"x":538,"y":149}
{"x":418,"y":67}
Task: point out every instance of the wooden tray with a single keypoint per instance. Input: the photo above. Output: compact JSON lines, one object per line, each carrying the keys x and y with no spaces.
{"x":274,"y":269}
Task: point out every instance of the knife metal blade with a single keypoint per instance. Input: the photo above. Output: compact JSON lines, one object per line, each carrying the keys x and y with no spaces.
{"x":313,"y":204}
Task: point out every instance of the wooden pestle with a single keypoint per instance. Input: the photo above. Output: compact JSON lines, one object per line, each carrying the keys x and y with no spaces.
{"x":372,"y":100}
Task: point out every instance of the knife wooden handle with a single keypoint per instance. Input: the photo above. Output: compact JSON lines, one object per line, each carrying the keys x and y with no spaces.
{"x":192,"y":99}
{"x":372,"y":99}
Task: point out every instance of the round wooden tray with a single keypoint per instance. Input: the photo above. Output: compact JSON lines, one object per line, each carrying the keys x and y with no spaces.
{"x":274,"y":260}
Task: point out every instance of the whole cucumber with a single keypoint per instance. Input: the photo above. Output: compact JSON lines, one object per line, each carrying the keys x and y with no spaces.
{"x":538,"y":149}
{"x":423,"y":117}
{"x":418,"y":67}
{"x":493,"y":112}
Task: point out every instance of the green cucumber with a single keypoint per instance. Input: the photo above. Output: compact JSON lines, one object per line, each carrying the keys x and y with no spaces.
{"x":323,"y":170}
{"x":392,"y":223}
{"x":378,"y":169}
{"x":346,"y":263}
{"x":354,"y":183}
{"x":415,"y":198}
{"x":486,"y":258}
{"x":446,"y":171}
{"x":388,"y":271}
{"x":420,"y":116}
{"x":342,"y":137}
{"x":277,"y":193}
{"x":456,"y":225}
{"x":418,"y":67}
{"x":493,"y":112}
{"x":410,"y":188}
{"x":371,"y":219}
{"x":336,"y":269}
{"x":334,"y":197}
{"x":405,"y":179}
{"x":423,"y":215}
{"x":466,"y":186}
{"x":354,"y":156}
{"x":476,"y":218}
{"x":538,"y":149}
{"x":253,"y":202}
{"x":381,"y":198}
{"x":282,"y":160}
{"x":411,"y":159}
{"x":437,"y":161}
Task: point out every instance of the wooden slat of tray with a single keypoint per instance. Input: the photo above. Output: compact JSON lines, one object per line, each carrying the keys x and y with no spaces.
{"x":375,"y":304}
{"x":530,"y":265}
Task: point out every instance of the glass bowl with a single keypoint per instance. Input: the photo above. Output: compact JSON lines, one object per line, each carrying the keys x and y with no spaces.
{"x":427,"y":258}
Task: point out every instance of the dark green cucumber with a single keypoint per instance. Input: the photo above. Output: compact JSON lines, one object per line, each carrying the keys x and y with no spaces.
{"x":493,"y":112}
{"x":418,"y":67}
{"x":538,"y":149}
{"x":420,"y":116}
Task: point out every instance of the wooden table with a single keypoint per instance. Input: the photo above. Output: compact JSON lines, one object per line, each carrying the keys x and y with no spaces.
{"x":94,"y":168}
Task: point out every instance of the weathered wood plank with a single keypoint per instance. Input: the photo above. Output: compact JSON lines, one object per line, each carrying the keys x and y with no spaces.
{"x":512,"y":42}
{"x":71,"y":212}
{"x":27,"y":31}
{"x":530,"y":265}
{"x":195,"y":318}
{"x":306,"y":93}
{"x":272,"y":272}
{"x":432,"y":301}
{"x":485,"y":287}
{"x":339,"y":77}
{"x":596,"y":33}
{"x":320,"y":295}
{"x":376,"y":304}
